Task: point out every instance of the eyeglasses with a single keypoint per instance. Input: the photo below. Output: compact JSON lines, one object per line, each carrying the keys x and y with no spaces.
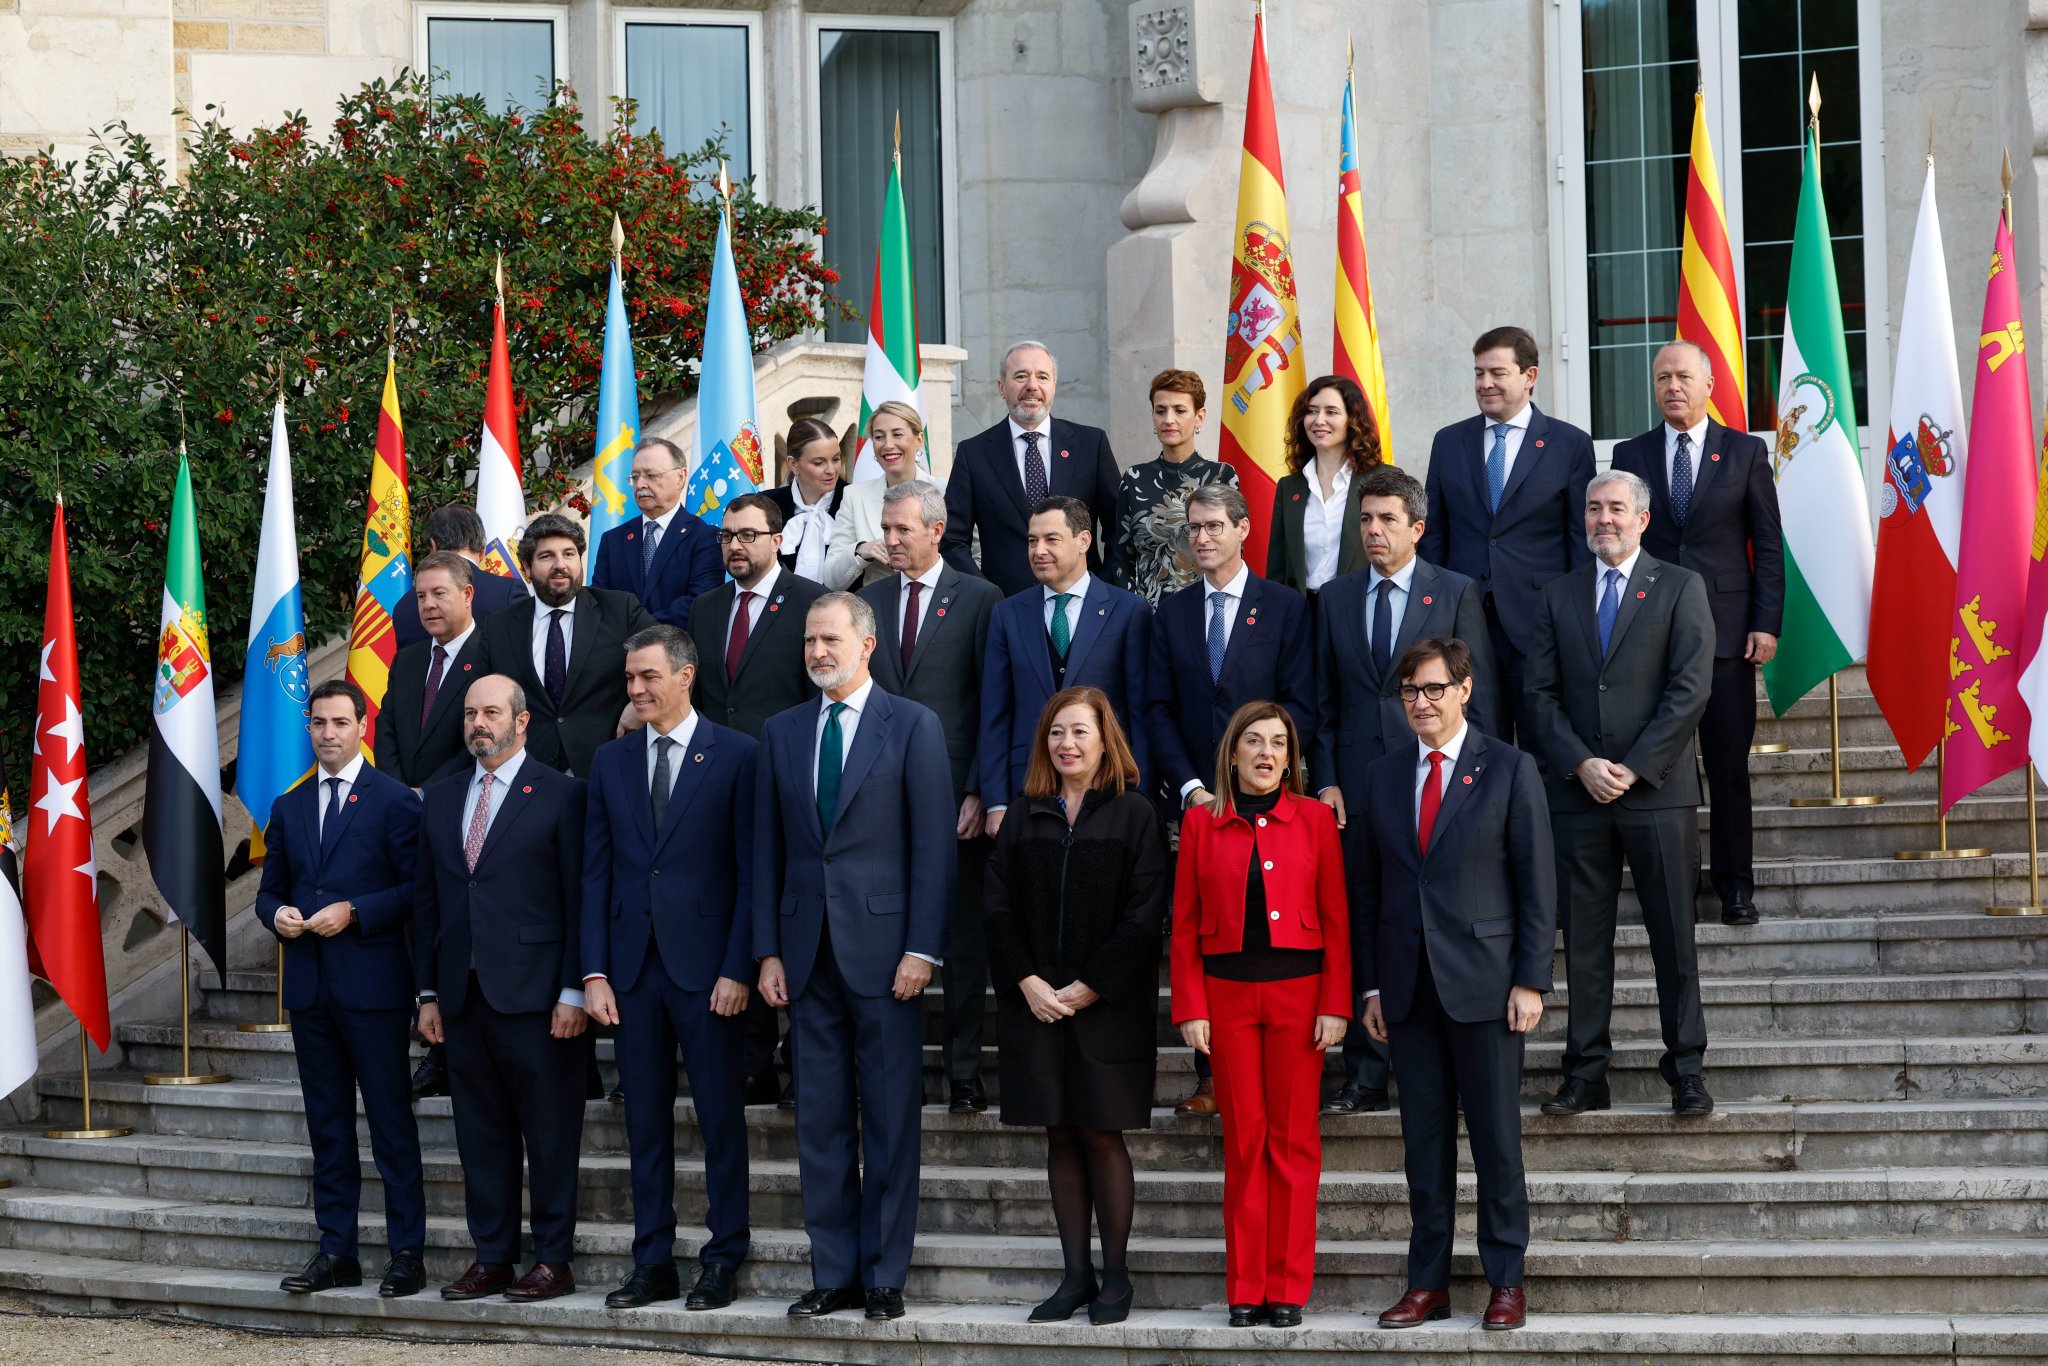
{"x":746,"y":536}
{"x":1209,"y":529}
{"x":651,"y":476}
{"x":1433,"y":691}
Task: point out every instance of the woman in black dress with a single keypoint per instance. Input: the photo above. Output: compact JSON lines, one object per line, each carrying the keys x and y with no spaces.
{"x":1075,"y":895}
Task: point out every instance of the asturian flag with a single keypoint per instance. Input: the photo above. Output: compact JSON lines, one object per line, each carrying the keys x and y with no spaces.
{"x":386,"y":575}
{"x":17,"y":1001}
{"x":618,"y":415}
{"x":727,"y":459}
{"x":892,"y":369}
{"x":181,"y":806}
{"x":500,"y":494}
{"x":275,"y":752}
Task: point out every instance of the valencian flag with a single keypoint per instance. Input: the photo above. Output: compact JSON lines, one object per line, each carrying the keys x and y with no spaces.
{"x":1920,"y":505}
{"x":59,"y":873}
{"x":727,"y":459}
{"x":500,"y":492}
{"x":386,"y":575}
{"x":1261,"y":379}
{"x":275,"y":753}
{"x":1356,"y":354}
{"x":1988,"y":722}
{"x":181,"y":808}
{"x":893,"y":368}
{"x":17,"y":1001}
{"x":1829,"y":557}
{"x":1709,"y":313}
{"x":618,"y":412}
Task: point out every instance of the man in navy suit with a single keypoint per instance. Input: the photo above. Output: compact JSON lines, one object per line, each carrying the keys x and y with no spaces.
{"x":853,"y":876}
{"x":1714,"y":510}
{"x":1454,"y":921}
{"x":670,"y":960}
{"x":457,"y":529}
{"x":337,"y":889}
{"x":666,"y":556}
{"x":420,"y":735}
{"x":498,"y":908}
{"x":1072,"y":630}
{"x":1507,"y":508}
{"x":1002,"y":475}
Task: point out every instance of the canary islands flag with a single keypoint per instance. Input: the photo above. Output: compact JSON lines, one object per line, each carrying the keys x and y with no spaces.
{"x":275,"y":753}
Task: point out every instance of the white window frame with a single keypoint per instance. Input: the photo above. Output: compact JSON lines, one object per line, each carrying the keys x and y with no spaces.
{"x":815,"y":23}
{"x":557,"y":15}
{"x":757,"y":101}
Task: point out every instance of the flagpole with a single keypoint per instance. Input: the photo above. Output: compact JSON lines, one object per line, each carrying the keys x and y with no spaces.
{"x":1943,"y":851}
{"x":282,"y":1025}
{"x":186,"y":1077}
{"x":85,"y":1083}
{"x":1835,"y":755}
{"x":2033,"y":906}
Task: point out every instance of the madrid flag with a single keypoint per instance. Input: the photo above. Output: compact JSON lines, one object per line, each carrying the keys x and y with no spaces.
{"x":500,"y":494}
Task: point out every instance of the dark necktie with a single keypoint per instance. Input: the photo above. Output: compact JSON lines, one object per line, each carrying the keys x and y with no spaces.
{"x":330,"y":821}
{"x":910,"y":615}
{"x":1681,"y":478}
{"x":647,"y":540}
{"x":1034,"y":472}
{"x":1062,"y":630}
{"x":1610,"y":608}
{"x":1432,"y":800}
{"x":1219,"y":632}
{"x":555,"y":677}
{"x":736,"y":640}
{"x":1383,"y":627}
{"x":664,"y":777}
{"x":830,"y":759}
{"x":434,"y":674}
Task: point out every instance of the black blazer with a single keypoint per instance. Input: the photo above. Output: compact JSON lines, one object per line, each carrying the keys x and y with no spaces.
{"x":986,"y":494}
{"x":415,"y":753}
{"x":1269,"y":659}
{"x":772,"y":676}
{"x":1286,"y":556}
{"x":490,"y":592}
{"x":1734,"y":515}
{"x":566,"y":737}
{"x":785,"y":499}
{"x":945,"y":664}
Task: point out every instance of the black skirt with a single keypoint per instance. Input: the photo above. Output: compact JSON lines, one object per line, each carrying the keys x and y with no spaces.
{"x":1093,"y":1069}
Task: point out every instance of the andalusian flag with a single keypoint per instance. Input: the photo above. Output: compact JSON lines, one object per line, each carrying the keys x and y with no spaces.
{"x":181,"y":806}
{"x":275,"y":753}
{"x":1357,"y":351}
{"x":618,"y":414}
{"x":386,"y":575}
{"x":1709,"y":313}
{"x":1261,"y":379}
{"x":1829,"y":554}
{"x":727,"y":460}
{"x":500,"y":492}
{"x":892,"y":368}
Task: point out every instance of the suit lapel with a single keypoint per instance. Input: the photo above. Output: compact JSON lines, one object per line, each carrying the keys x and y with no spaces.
{"x":513,"y":798}
{"x":331,"y":838}
{"x":1094,"y":616}
{"x":1245,"y":635}
{"x":1633,"y":594}
{"x":668,"y":547}
{"x":1003,"y":452}
{"x":687,"y":783}
{"x":1464,"y":777}
{"x":1422,"y":591}
{"x":587,"y":620}
{"x":1659,"y":478}
{"x":1704,"y":463}
{"x":935,"y":614}
{"x":1586,"y":610}
{"x":868,"y":739}
{"x":455,"y":682}
{"x":1525,"y":458}
{"x":1059,"y":468}
{"x":1351,"y":599}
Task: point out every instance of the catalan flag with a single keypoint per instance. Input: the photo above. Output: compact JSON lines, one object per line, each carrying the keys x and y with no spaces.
{"x":1356,"y":354}
{"x":387,"y":558}
{"x":1709,"y":312}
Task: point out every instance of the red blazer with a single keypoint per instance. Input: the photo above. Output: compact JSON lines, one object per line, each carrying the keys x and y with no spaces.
{"x":1306,"y":903}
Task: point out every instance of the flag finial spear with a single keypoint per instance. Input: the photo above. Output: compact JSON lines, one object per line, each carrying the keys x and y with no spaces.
{"x":1813,"y":99}
{"x":899,"y":137}
{"x":618,"y":239}
{"x":391,"y":335}
{"x":1349,"y":63}
{"x":725,"y":188}
{"x":2005,"y":180}
{"x":498,"y":277}
{"x":1699,"y":88}
{"x":1930,"y":140}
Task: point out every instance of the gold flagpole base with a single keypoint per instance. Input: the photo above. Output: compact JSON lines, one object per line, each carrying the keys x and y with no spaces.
{"x":4,"y":1183}
{"x":1838,"y":801}
{"x":120,"y":1131}
{"x":2016,"y":910}
{"x":188,"y":1079}
{"x":264,"y":1028}
{"x":1941,"y":853}
{"x":1772,"y":747}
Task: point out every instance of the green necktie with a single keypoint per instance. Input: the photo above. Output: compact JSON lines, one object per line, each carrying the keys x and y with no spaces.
{"x":1062,"y":634}
{"x":830,"y":758}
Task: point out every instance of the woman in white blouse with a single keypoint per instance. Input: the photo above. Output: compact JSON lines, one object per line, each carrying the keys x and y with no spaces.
{"x":1331,"y":440}
{"x":856,"y":556}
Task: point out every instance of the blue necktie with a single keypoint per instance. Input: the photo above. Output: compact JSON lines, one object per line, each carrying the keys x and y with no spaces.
{"x":1497,"y":464}
{"x":647,"y":539}
{"x":1219,"y":618}
{"x":1681,"y":478}
{"x":831,"y":758}
{"x":1610,"y":608}
{"x":1383,"y":628}
{"x":330,"y":821}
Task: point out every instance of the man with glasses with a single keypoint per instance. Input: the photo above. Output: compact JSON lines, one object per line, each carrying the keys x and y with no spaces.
{"x":665,"y":556}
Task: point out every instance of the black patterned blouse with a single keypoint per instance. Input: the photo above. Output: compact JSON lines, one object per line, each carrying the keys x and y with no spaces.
{"x":1149,"y":554}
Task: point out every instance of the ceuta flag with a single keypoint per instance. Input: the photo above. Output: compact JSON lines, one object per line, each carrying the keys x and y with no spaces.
{"x":386,"y":575}
{"x":60,"y":875}
{"x":500,"y":494}
{"x":1261,"y":373}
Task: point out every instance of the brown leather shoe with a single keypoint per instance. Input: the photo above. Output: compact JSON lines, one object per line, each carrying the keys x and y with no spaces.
{"x":544,"y":1282}
{"x":1417,"y":1307}
{"x":482,"y":1278}
{"x":1509,"y":1308}
{"x":1202,"y":1102}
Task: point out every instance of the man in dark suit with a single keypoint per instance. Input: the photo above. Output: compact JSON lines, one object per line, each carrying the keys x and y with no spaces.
{"x":564,"y":645}
{"x":1454,"y":921}
{"x":337,"y":890}
{"x":498,"y":907}
{"x":810,"y":500}
{"x":456,"y":528}
{"x":670,"y":960}
{"x":1002,"y":475}
{"x":1619,"y":675}
{"x":1506,"y":500}
{"x":932,"y":622}
{"x":666,"y":556}
{"x":420,"y":735}
{"x":1366,"y":622}
{"x":1072,"y":630}
{"x":1714,"y":510}
{"x":853,"y":873}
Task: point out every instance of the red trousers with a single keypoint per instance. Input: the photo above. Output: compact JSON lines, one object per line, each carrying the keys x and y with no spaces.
{"x":1269,"y":1087}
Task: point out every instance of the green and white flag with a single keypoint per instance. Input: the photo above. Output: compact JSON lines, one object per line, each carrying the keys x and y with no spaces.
{"x":892,"y":368}
{"x":1830,"y":556}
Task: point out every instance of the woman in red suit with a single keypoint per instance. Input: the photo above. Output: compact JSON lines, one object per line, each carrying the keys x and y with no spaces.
{"x":1262,"y":983}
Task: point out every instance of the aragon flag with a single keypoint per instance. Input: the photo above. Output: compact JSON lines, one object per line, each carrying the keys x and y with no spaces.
{"x":386,"y":574}
{"x":181,"y":803}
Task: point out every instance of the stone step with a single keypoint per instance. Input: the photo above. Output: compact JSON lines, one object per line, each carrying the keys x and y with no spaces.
{"x":758,"y":1328}
{"x":1774,"y":779}
{"x":1805,"y":726}
{"x":1819,"y":832}
{"x":1875,"y":883}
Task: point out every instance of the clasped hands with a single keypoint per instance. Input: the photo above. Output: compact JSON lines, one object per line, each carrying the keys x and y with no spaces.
{"x":329,"y":921}
{"x":1603,"y":779}
{"x":1329,"y":1032}
{"x":1050,"y":1005}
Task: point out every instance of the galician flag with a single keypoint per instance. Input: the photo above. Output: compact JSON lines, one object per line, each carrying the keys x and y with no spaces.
{"x":1920,"y":505}
{"x":1709,"y":313}
{"x":386,"y":575}
{"x":181,"y":802}
{"x":1261,"y":372}
{"x":892,"y":368}
{"x":500,"y":490}
{"x":1356,"y":353}
{"x":17,"y":999}
{"x":727,"y":460}
{"x":1829,"y":556}
{"x":274,"y":752}
{"x":618,"y":413}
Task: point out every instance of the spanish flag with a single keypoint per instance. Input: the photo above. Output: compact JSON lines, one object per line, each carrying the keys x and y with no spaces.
{"x":1356,"y":354}
{"x":1709,"y":313}
{"x":387,"y":559}
{"x":1262,"y":374}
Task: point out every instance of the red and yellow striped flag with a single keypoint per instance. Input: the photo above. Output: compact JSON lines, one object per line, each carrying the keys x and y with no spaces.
{"x":1356,"y":354}
{"x":1709,"y":313}
{"x":387,"y":559}
{"x":1261,"y":379}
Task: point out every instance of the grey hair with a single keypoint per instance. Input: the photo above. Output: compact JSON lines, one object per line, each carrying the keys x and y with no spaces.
{"x":931,"y":504}
{"x":1227,"y":499}
{"x":1706,"y":361}
{"x":673,"y":640}
{"x":1028,"y":345}
{"x":856,"y":607}
{"x":1638,"y":491}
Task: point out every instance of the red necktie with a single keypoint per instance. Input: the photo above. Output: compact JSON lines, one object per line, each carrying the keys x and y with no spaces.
{"x":736,"y":643}
{"x":433,"y":689}
{"x":1432,"y":800}
{"x":910,"y":625}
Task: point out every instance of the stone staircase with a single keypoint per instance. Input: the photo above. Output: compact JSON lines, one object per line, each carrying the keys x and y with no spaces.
{"x":1873,"y":1187}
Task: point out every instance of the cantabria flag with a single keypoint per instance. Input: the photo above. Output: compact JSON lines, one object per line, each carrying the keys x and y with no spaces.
{"x":1829,"y":554}
{"x":892,"y":368}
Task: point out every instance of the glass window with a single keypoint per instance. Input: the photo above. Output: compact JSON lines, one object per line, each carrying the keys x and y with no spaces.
{"x":690,"y":82}
{"x":510,"y":62}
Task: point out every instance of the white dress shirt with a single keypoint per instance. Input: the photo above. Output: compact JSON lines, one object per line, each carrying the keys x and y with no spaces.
{"x":856,"y":702}
{"x":1397,"y":603}
{"x":1451,"y":750}
{"x":808,"y":531}
{"x":1045,"y":450}
{"x":930,"y":580}
{"x":540,"y":635}
{"x":1234,"y":590}
{"x":764,"y":593}
{"x":1518,"y":427}
{"x":1699,"y":441}
{"x":350,"y":771}
{"x":685,"y":731}
{"x":501,"y":784}
{"x":1600,"y":568}
{"x":1322,"y":523}
{"x":1075,"y":596}
{"x":661,"y":523}
{"x":454,"y":647}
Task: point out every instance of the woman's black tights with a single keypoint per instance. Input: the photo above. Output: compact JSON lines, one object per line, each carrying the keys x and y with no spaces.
{"x":1090,"y":1171}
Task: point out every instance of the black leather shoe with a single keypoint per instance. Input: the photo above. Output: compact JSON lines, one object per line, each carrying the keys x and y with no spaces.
{"x":1344,"y":1101}
{"x":1738,"y":910}
{"x":816,"y":1303}
{"x":787,"y":1100}
{"x":884,"y":1303}
{"x":324,"y":1273}
{"x":1113,"y":1304}
{"x":714,"y":1288}
{"x":617,"y":1096}
{"x":1689,"y":1096}
{"x":1062,"y":1303}
{"x":406,"y":1275}
{"x":1577,"y":1096}
{"x":968,"y":1097}
{"x":430,"y":1078}
{"x":1284,"y":1315}
{"x":761,"y":1090}
{"x":1247,"y":1315}
{"x":646,"y":1285}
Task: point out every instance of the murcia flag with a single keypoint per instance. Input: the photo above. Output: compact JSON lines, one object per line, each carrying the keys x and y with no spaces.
{"x":274,"y":753}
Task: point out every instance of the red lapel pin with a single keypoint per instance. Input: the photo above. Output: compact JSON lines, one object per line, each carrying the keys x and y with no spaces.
{"x":1063,"y":455}
{"x":1468,"y":780}
{"x":527,"y":788}
{"x":629,"y":535}
{"x":1297,"y":497}
{"x":1714,"y":456}
{"x":1539,"y":443}
{"x":1641,"y":593}
{"x":467,"y":667}
{"x":775,"y":606}
{"x":941,"y":612}
{"x":1251,"y":621}
{"x":351,"y":796}
{"x":1427,"y":600}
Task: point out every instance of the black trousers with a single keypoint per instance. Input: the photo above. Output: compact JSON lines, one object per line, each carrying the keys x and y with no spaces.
{"x":964,"y":975}
{"x":1726,"y":732}
{"x":1662,"y":849}
{"x":1506,"y":683}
